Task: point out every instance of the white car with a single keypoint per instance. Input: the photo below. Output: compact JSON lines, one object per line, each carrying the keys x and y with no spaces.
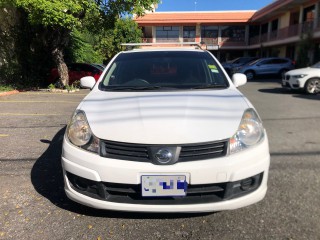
{"x":165,"y":130}
{"x":307,"y":79}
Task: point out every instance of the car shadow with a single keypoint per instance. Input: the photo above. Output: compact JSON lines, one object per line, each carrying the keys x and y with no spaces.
{"x":266,"y":78}
{"x":47,"y":179}
{"x":294,"y":93}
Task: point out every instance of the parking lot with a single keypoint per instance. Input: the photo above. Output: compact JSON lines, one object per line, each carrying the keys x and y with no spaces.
{"x":34,"y":206}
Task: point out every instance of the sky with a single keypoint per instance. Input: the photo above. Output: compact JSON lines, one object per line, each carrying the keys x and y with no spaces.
{"x":211,"y":5}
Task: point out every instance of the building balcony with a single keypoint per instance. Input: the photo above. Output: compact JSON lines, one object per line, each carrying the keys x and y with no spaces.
{"x":232,"y":42}
{"x":285,"y":33}
{"x":210,"y":41}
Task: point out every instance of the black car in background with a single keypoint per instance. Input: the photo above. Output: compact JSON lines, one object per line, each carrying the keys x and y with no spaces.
{"x":237,"y":62}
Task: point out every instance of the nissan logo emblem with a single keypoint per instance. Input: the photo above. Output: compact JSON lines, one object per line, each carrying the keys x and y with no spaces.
{"x":163,"y":156}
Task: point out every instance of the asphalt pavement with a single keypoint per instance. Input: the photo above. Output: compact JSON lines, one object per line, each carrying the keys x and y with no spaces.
{"x":33,"y":204}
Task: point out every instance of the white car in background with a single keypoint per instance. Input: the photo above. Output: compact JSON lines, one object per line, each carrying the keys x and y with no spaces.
{"x":165,"y":130}
{"x":307,"y":79}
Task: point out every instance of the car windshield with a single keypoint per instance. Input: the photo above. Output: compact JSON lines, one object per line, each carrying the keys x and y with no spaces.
{"x":163,"y":70}
{"x":317,"y":65}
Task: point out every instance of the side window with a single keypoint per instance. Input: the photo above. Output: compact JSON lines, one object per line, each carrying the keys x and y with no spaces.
{"x":86,"y":68}
{"x":279,"y":61}
{"x":71,"y":67}
{"x":265,"y":62}
{"x":76,"y":67}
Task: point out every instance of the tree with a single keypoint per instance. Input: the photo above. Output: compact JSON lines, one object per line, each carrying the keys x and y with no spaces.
{"x":124,"y":31}
{"x":59,"y":18}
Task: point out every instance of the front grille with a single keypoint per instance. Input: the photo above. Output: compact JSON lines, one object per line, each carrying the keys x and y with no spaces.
{"x":125,"y":151}
{"x":195,"y":194}
{"x":142,"y":152}
{"x":203,"y":151}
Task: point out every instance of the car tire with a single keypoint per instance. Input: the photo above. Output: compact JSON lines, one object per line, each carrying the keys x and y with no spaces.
{"x":312,"y":86}
{"x":249,"y":75}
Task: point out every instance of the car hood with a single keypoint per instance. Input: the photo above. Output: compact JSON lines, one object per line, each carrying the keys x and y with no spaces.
{"x":164,"y":117}
{"x":307,"y":70}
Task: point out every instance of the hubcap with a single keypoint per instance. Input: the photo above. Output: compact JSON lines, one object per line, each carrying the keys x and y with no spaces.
{"x":249,"y":75}
{"x":313,"y":86}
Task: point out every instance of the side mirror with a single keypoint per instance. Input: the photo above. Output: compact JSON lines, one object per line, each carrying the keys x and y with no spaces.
{"x":87,"y":82}
{"x":239,"y":79}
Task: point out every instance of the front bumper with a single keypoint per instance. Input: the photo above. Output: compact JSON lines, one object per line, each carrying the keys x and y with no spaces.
{"x":219,"y":171}
{"x":291,"y":83}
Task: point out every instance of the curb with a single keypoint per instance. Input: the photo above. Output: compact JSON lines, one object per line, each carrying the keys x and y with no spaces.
{"x":8,"y":93}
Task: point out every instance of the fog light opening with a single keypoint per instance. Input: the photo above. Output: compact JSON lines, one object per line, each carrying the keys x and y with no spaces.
{"x":247,"y":183}
{"x":81,"y":184}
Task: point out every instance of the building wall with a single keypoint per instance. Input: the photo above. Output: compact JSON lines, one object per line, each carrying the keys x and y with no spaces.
{"x":284,"y":20}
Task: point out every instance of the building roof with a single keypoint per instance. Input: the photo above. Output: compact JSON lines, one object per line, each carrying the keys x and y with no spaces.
{"x":216,"y":17}
{"x":275,"y":8}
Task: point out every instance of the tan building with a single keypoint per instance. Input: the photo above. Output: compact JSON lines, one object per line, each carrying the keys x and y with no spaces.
{"x":275,"y":30}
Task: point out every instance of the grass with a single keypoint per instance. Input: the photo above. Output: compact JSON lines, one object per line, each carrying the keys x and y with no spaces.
{"x":6,"y":88}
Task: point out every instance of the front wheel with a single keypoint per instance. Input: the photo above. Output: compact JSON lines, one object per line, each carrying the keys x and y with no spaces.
{"x":312,"y":86}
{"x":249,"y":74}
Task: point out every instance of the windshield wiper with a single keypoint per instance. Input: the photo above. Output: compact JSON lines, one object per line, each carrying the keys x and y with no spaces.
{"x":209,"y":86}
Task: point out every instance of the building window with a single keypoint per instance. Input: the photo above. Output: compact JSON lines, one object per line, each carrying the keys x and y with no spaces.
{"x":167,"y":33}
{"x":233,"y":33}
{"x":209,"y":31}
{"x":189,"y":32}
{"x":308,"y":14}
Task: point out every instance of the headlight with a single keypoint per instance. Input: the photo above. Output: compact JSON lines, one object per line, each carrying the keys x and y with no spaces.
{"x":79,"y":133}
{"x":300,"y":76}
{"x":249,"y":133}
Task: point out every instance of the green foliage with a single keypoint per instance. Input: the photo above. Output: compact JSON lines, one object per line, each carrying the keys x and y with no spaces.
{"x":125,"y":31}
{"x":6,"y":88}
{"x":51,"y":86}
{"x":82,"y":48}
{"x":66,"y":14}
{"x":42,"y":34}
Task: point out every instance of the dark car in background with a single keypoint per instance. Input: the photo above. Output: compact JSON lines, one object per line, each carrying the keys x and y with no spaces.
{"x":265,"y":66}
{"x":77,"y":71}
{"x":237,"y":62}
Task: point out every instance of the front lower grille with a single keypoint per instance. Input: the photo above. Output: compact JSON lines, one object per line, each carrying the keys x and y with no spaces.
{"x":142,"y":152}
{"x":195,"y":194}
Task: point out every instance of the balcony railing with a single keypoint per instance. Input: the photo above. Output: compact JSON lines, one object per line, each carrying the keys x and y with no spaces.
{"x":284,"y":33}
{"x":210,"y":41}
{"x":280,"y":34}
{"x":189,"y":39}
{"x":227,"y":41}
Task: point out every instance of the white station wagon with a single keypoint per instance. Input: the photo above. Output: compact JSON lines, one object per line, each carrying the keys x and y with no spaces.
{"x":165,"y":130}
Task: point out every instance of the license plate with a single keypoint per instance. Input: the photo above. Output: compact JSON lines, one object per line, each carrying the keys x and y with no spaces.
{"x":163,"y":185}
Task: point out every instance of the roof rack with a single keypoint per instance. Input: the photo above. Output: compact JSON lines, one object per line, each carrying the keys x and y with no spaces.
{"x":130,"y":46}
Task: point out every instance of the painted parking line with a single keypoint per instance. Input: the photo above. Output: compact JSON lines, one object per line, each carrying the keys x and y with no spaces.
{"x":30,"y":114}
{"x":39,"y":102}
{"x":68,"y":94}
{"x":4,"y":135}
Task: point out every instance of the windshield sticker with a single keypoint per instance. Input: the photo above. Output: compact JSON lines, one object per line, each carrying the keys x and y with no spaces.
{"x":213,"y":68}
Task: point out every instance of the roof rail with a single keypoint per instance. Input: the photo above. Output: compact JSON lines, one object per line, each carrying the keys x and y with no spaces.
{"x":130,"y":46}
